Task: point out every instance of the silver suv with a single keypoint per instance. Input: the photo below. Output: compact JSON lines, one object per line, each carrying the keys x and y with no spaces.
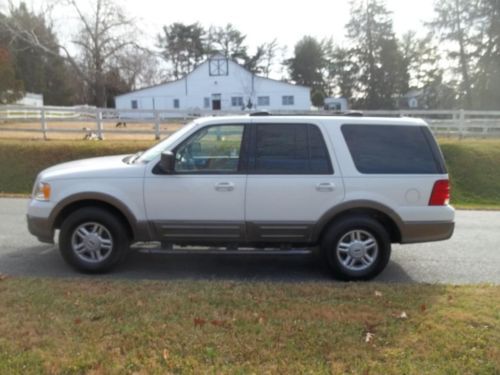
{"x":349,"y":186}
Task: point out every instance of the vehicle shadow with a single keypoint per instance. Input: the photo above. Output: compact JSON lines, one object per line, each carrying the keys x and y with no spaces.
{"x":243,"y":267}
{"x":45,"y":261}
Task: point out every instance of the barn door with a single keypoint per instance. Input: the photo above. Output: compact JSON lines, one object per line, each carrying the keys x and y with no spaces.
{"x":216,"y":102}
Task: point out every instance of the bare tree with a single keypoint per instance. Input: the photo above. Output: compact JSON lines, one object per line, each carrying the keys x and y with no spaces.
{"x":103,"y":33}
{"x":140,"y":67}
{"x":271,"y":50}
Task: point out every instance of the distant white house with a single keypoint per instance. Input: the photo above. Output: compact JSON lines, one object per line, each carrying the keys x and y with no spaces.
{"x":219,"y":84}
{"x":336,"y":104}
{"x":31,"y":100}
{"x":412,"y":99}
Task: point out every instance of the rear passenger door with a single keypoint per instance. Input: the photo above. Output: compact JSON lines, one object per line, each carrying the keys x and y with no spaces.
{"x":292,"y":181}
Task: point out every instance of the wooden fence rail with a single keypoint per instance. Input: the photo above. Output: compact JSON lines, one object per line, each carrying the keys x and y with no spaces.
{"x":100,"y":121}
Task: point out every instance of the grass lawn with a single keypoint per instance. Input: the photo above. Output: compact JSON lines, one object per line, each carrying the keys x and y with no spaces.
{"x":21,"y":160}
{"x":474,"y":168}
{"x":474,"y":165}
{"x":97,"y":326}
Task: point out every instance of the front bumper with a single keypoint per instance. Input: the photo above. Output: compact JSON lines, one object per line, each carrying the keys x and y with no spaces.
{"x":41,"y":228}
{"x":412,"y":232}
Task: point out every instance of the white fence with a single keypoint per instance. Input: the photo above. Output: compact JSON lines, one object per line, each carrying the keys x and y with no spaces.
{"x":99,"y":121}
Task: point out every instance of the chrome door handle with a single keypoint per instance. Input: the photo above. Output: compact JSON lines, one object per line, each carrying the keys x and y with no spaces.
{"x":224,"y":186}
{"x":325,"y":186}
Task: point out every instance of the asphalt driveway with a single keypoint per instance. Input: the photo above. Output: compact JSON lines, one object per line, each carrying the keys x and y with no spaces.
{"x":471,"y":256}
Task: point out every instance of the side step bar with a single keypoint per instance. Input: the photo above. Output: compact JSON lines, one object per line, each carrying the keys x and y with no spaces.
{"x":155,"y":248}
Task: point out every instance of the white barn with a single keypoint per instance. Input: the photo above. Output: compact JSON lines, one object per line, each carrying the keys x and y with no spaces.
{"x":219,"y":84}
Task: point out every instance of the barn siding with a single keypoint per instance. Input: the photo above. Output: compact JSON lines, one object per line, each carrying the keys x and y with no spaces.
{"x":198,"y":85}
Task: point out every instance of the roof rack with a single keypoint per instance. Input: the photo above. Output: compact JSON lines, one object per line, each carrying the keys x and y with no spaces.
{"x":260,"y":113}
{"x":349,"y":113}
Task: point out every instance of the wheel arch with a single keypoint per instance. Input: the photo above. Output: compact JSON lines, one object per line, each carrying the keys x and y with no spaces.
{"x":383,"y":214}
{"x":68,"y":205}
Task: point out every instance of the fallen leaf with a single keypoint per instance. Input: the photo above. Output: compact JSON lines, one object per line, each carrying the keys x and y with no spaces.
{"x":199,"y":322}
{"x":378,"y":294}
{"x":78,"y":321}
{"x":218,"y":323}
{"x":423,"y":307}
{"x":165,"y":354}
{"x":369,"y":337}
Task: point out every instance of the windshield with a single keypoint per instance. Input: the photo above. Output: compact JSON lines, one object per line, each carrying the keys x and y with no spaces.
{"x":157,"y":149}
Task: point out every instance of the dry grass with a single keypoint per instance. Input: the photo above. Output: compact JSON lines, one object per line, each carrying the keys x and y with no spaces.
{"x":97,"y":326}
{"x":111,"y":132}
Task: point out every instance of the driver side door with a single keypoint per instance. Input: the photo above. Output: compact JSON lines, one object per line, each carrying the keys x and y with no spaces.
{"x":203,"y":200}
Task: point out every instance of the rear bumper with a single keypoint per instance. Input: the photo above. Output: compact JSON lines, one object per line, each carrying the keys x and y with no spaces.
{"x":41,"y":228}
{"x":412,"y":232}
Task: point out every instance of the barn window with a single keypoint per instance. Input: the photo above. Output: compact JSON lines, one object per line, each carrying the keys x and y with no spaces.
{"x":218,"y":67}
{"x":134,"y":104}
{"x":206,"y":102}
{"x":263,"y":100}
{"x":237,"y":101}
{"x":176,"y":103}
{"x":288,"y":100}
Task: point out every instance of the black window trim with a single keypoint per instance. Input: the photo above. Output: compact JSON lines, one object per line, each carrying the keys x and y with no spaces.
{"x":429,"y":139}
{"x":253,"y":145}
{"x":242,"y":162}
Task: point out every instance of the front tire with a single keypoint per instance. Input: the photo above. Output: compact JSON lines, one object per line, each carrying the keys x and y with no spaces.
{"x":93,"y":240}
{"x":356,"y":248}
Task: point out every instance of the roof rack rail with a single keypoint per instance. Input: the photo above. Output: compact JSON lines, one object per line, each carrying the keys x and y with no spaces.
{"x":349,"y":113}
{"x":353,"y":114}
{"x":260,"y":113}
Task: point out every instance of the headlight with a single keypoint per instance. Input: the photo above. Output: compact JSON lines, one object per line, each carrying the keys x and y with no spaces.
{"x":42,"y":191}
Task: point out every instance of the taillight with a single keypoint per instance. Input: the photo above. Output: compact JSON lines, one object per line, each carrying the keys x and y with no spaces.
{"x":440,"y":193}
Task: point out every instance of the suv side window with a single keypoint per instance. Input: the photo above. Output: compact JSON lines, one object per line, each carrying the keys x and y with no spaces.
{"x":391,"y":149}
{"x":289,"y":149}
{"x":213,"y":149}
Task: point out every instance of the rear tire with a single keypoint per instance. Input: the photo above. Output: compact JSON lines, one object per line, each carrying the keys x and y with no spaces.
{"x":93,"y":240}
{"x":356,"y":248}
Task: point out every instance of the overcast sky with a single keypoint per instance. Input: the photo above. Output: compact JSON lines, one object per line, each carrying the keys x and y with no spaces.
{"x":260,"y":20}
{"x":264,"y":20}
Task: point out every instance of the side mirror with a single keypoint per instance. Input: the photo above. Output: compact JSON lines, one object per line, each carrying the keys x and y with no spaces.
{"x":167,"y":161}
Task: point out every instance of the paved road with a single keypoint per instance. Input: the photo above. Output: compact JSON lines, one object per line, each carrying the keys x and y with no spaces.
{"x":471,"y":256}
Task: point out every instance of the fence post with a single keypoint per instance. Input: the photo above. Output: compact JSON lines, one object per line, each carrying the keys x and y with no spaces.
{"x":44,"y":124}
{"x":461,"y":124}
{"x":157,"y":125}
{"x":99,"y":124}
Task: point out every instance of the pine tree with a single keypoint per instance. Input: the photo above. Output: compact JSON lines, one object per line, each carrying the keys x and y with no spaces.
{"x":307,"y":66}
{"x":455,"y":23}
{"x":382,"y":77}
{"x":487,"y":88}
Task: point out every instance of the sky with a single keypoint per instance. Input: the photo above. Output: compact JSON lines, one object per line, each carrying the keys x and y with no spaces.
{"x":260,"y":20}
{"x":264,"y":20}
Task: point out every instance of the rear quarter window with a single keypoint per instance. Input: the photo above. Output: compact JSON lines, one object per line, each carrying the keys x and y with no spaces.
{"x":393,"y":149}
